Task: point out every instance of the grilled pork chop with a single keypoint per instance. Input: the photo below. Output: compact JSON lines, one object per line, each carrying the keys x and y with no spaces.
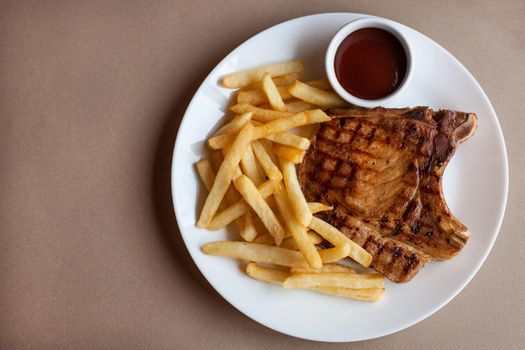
{"x":382,"y":171}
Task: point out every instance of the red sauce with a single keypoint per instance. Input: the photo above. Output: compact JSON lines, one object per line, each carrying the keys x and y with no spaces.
{"x":370,"y":63}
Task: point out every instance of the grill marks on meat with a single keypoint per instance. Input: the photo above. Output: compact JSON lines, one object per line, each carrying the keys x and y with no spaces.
{"x":382,"y":170}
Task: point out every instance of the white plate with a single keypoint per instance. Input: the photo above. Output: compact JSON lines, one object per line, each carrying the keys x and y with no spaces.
{"x":475,"y":186}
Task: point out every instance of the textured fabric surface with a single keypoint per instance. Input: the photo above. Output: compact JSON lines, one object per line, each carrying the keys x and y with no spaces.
{"x":91,"y":96}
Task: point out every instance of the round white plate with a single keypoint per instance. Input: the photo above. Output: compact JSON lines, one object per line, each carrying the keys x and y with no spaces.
{"x":475,"y":186}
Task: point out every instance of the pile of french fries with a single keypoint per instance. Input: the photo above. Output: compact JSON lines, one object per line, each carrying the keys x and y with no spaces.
{"x":252,"y":182}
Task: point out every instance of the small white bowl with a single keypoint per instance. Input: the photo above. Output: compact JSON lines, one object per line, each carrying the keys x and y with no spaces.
{"x":367,"y":22}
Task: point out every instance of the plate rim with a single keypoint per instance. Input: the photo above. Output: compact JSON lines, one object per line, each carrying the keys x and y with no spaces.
{"x":455,"y":291}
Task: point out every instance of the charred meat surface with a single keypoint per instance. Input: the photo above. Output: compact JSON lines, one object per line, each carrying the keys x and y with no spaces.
{"x":382,"y":171}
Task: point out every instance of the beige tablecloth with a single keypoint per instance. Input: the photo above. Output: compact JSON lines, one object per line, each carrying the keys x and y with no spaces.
{"x":91,"y":96}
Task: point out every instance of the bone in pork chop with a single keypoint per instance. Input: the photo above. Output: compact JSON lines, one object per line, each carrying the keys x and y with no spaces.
{"x":382,"y":171}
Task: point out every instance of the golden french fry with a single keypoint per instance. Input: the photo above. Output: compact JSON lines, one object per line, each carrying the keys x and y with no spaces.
{"x":225,"y":175}
{"x":299,"y":106}
{"x":249,"y":166}
{"x":291,"y":154}
{"x":253,"y":97}
{"x":257,"y":97}
{"x":207,"y":176}
{"x":266,"y":274}
{"x":268,"y":146}
{"x":292,"y":140}
{"x":290,"y":243}
{"x":264,"y":239}
{"x":244,"y":223}
{"x":251,"y":76}
{"x":235,"y":125}
{"x":334,"y":280}
{"x":247,"y":231}
{"x":236,"y":170}
{"x":231,"y":196}
{"x":336,"y":237}
{"x":271,"y":170}
{"x":259,"y":253}
{"x":250,"y":194}
{"x":314,"y":237}
{"x":285,"y":79}
{"x":316,"y":96}
{"x":316,"y":207}
{"x":277,"y":276}
{"x":282,"y":80}
{"x":260,"y":114}
{"x":324,"y":268}
{"x":298,"y":231}
{"x":365,"y":294}
{"x":273,"y":95}
{"x":206,"y":173}
{"x":322,"y":84}
{"x":216,"y":160}
{"x":330,"y":255}
{"x":241,"y":207}
{"x":276,"y":126}
{"x":295,"y":194}
{"x":290,"y":122}
{"x":221,"y":141}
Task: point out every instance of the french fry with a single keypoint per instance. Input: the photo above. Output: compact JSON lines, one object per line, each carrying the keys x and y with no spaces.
{"x":258,"y":253}
{"x":292,"y":140}
{"x":237,"y":169}
{"x":365,"y":294}
{"x":316,"y":96}
{"x":206,"y":173}
{"x":221,"y":141}
{"x":247,"y":231}
{"x":255,"y":97}
{"x":334,"y":280}
{"x":251,"y":76}
{"x":268,"y":146}
{"x":225,"y":175}
{"x":298,"y":231}
{"x":299,"y":106}
{"x":290,"y":122}
{"x":271,"y":170}
{"x":324,"y":268}
{"x":336,"y":237}
{"x":266,"y":274}
{"x":280,"y":81}
{"x":244,"y":223}
{"x":232,"y":196}
{"x":260,"y":114}
{"x":250,"y":194}
{"x":235,"y":125}
{"x":322,"y":84}
{"x":291,"y":154}
{"x":276,"y":126}
{"x":265,"y":238}
{"x":316,"y":207}
{"x":277,"y":276}
{"x":295,"y":194}
{"x":331,"y":255}
{"x":290,"y":243}
{"x":241,"y":207}
{"x":273,"y":95}
{"x":285,"y":79}
{"x":249,"y":166}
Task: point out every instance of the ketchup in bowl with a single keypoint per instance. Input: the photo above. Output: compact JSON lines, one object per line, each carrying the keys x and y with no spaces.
{"x":370,"y":63}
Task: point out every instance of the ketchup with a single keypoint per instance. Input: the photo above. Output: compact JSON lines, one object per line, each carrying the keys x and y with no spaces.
{"x":370,"y":63}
